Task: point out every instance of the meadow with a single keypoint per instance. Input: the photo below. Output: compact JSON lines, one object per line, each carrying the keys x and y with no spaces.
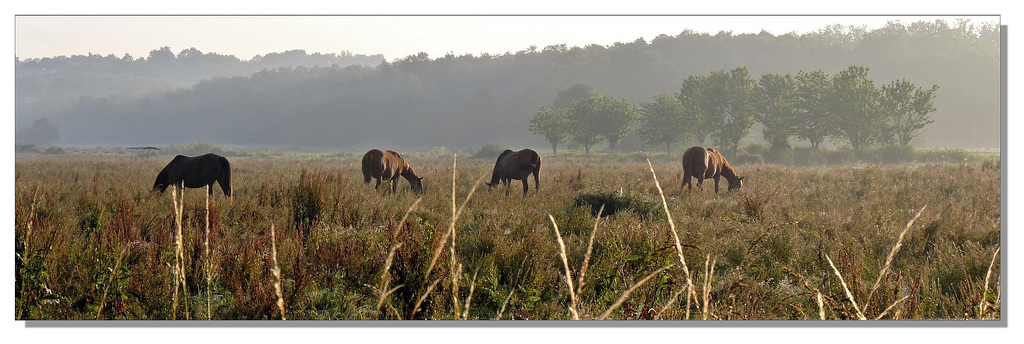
{"x":305,"y":239}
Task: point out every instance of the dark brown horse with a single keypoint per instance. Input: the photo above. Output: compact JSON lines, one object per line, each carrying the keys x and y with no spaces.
{"x":196,"y":172}
{"x":516,"y":165}
{"x":389,"y":166}
{"x":703,"y":163}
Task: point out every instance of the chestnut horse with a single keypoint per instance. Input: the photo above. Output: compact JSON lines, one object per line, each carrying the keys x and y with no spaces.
{"x":703,"y":163}
{"x":389,"y":166}
{"x":196,"y":172}
{"x":516,"y":165}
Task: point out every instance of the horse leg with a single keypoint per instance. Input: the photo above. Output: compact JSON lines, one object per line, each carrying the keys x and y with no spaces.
{"x":536,"y":180}
{"x":716,"y":183}
{"x":377,"y":187}
{"x":686,"y":181}
{"x":526,"y":187}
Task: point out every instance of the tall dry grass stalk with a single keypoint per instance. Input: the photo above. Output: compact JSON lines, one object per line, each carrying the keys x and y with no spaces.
{"x":983,"y":305}
{"x":423,"y":296}
{"x":278,"y":287}
{"x":503,"y":304}
{"x":888,"y":260}
{"x":821,"y":307}
{"x":28,"y":236}
{"x":690,"y":290}
{"x":179,"y":252}
{"x":386,"y":275}
{"x":568,"y":273}
{"x":849,"y":295}
{"x":456,"y":275}
{"x":110,"y":280}
{"x":451,"y":230}
{"x":207,"y":263}
{"x":709,"y":271}
{"x":590,"y":249}
{"x":629,"y":291}
{"x":469,"y":298}
{"x":887,"y":309}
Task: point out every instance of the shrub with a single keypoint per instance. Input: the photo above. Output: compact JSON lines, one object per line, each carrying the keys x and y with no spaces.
{"x":614,"y":202}
{"x":489,"y":151}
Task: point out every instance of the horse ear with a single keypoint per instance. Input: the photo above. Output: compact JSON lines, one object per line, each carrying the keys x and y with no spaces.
{"x":421,"y":178}
{"x":741,"y":178}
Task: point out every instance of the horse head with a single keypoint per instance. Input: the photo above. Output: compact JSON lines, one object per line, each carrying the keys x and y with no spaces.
{"x":738,"y":184}
{"x":416,"y":183}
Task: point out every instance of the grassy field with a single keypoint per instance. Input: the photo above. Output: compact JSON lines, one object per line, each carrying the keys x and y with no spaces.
{"x":93,"y":242}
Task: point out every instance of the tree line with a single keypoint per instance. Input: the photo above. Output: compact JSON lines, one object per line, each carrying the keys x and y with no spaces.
{"x":721,"y":107}
{"x":329,"y":101}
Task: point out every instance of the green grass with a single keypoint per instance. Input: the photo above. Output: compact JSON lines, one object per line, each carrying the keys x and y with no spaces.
{"x":757,"y":253}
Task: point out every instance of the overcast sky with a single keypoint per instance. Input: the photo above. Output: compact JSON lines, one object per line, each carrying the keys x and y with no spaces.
{"x":392,"y":36}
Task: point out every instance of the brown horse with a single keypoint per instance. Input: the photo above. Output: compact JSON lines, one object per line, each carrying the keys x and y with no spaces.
{"x":703,"y":163}
{"x":196,"y":172}
{"x":516,"y":165}
{"x":389,"y":166}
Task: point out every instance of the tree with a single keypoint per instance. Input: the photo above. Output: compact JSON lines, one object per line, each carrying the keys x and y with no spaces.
{"x":813,"y":121}
{"x":553,"y":124}
{"x":577,"y":92}
{"x":601,"y":118}
{"x":661,"y":121}
{"x":42,"y":132}
{"x":776,"y":100}
{"x":907,"y":108}
{"x":698,"y":101}
{"x":855,"y":102}
{"x":585,"y":127}
{"x":737,"y":111}
{"x":616,"y":118}
{"x":718,"y":104}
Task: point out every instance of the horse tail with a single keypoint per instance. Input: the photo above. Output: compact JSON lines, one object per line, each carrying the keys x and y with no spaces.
{"x":536,"y":170}
{"x":366,"y":168}
{"x":225,"y":177}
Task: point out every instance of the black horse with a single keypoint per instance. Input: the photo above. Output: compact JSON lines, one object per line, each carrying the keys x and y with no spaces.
{"x":196,"y":172}
{"x":516,"y":166}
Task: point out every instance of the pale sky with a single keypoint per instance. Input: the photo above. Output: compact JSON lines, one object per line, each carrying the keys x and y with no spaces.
{"x":392,"y":36}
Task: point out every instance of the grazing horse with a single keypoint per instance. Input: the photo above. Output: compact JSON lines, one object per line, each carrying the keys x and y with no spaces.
{"x":196,"y":172}
{"x":389,"y":166}
{"x":516,"y":165}
{"x":703,"y":163}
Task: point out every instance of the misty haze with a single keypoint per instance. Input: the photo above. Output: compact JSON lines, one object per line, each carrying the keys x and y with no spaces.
{"x":341,"y":101}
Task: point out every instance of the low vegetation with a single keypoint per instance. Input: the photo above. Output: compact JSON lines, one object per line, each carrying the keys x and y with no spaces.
{"x":305,"y":239}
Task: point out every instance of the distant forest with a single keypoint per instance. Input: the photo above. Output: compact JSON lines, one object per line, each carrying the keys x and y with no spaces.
{"x":352,"y":102}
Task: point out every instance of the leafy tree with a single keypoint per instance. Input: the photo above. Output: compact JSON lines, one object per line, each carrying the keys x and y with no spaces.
{"x":776,"y":101}
{"x":601,"y":118}
{"x":699,"y":102}
{"x":858,"y":114}
{"x":813,"y":120}
{"x":577,"y":92}
{"x":661,"y":121}
{"x":42,"y":132}
{"x":737,"y":108}
{"x":586,"y":128}
{"x":908,"y":108}
{"x":617,"y":119}
{"x":553,"y":124}
{"x":718,"y":104}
